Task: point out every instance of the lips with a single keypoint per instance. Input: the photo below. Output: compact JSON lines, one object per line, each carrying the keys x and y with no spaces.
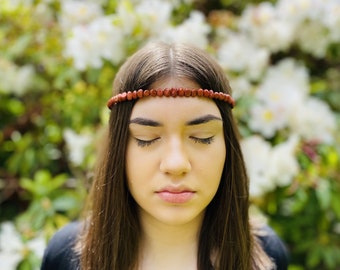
{"x":176,"y":195}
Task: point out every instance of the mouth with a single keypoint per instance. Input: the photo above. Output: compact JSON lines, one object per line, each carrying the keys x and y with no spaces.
{"x":176,"y":195}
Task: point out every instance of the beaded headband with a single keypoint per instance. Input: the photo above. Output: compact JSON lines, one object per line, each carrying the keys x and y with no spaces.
{"x":170,"y":92}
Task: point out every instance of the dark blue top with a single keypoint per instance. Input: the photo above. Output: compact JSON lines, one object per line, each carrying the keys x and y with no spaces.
{"x":59,"y":254}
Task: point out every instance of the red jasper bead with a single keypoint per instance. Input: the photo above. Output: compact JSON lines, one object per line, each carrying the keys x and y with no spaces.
{"x":187,"y":92}
{"x":129,"y":95}
{"x":140,"y":93}
{"x":206,"y":93}
{"x":167,"y":92}
{"x":173,"y":92}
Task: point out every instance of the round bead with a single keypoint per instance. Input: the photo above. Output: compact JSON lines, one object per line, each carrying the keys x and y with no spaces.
{"x":140,"y":93}
{"x":129,"y":95}
{"x":122,"y":96}
{"x":167,"y":92}
{"x":187,"y":92}
{"x":173,"y":92}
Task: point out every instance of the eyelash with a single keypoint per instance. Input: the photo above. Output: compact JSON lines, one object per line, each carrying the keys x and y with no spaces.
{"x":203,"y":140}
{"x":144,"y":143}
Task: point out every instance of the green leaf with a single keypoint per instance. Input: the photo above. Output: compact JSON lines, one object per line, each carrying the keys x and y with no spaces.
{"x":335,"y":204}
{"x":295,"y":267}
{"x":27,"y":184}
{"x":314,"y":256}
{"x":20,"y":45}
{"x":65,"y":203}
{"x":323,"y":193}
{"x":42,"y":177}
{"x":301,"y":199}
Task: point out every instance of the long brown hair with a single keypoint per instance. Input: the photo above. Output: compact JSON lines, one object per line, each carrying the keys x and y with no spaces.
{"x":110,"y":239}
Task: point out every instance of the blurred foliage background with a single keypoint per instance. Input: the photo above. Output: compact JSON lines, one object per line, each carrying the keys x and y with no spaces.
{"x":52,"y":115}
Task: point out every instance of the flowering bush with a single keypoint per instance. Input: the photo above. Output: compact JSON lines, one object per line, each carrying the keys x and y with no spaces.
{"x":58,"y":60}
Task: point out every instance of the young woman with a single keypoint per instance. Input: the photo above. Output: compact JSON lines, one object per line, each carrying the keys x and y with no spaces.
{"x":171,"y":190}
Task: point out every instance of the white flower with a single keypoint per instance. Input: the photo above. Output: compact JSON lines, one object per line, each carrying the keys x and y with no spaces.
{"x":284,"y":87}
{"x":239,"y":54}
{"x":285,"y":84}
{"x":269,"y":167}
{"x":126,"y":17}
{"x":317,"y":23}
{"x":108,"y":39}
{"x":13,"y":249}
{"x":89,"y":44}
{"x":78,"y":12}
{"x":295,"y":11}
{"x":76,"y":144}
{"x":257,"y":154}
{"x":332,"y":19}
{"x":154,"y":15}
{"x":193,"y":31}
{"x":313,"y":38}
{"x":265,"y":27}
{"x":267,"y":119}
{"x":37,"y":245}
{"x":10,"y":246}
{"x":80,"y":47}
{"x":283,"y":163}
{"x":44,"y":15}
{"x":14,"y":79}
{"x":313,"y":120}
{"x":14,"y":4}
{"x":240,"y":86}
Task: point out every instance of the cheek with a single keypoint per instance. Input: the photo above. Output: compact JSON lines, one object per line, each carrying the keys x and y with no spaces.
{"x":215,"y":158}
{"x":138,"y":166}
{"x":215,"y":164}
{"x":132,"y":164}
{"x":210,"y":168}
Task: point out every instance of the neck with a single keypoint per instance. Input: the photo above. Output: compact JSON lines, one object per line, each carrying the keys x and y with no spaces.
{"x":167,"y":246}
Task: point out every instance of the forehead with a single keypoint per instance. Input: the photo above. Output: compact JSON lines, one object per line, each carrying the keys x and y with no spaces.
{"x":170,"y":108}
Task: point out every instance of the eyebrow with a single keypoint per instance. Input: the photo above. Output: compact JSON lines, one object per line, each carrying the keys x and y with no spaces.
{"x":203,"y":119}
{"x":197,"y":121}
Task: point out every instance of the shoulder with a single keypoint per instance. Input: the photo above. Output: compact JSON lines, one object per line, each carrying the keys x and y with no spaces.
{"x":59,"y":253}
{"x":274,"y":247}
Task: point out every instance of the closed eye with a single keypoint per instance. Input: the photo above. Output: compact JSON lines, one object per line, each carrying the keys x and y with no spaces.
{"x":202,"y":140}
{"x":144,"y":143}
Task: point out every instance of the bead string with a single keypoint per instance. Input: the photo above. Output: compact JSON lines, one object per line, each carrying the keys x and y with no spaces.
{"x":170,"y":92}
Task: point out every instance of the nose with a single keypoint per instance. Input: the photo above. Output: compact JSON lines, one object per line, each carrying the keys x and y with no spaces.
{"x":175,"y":160}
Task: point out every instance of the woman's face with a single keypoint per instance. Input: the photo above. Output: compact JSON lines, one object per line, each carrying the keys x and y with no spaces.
{"x":175,"y":155}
